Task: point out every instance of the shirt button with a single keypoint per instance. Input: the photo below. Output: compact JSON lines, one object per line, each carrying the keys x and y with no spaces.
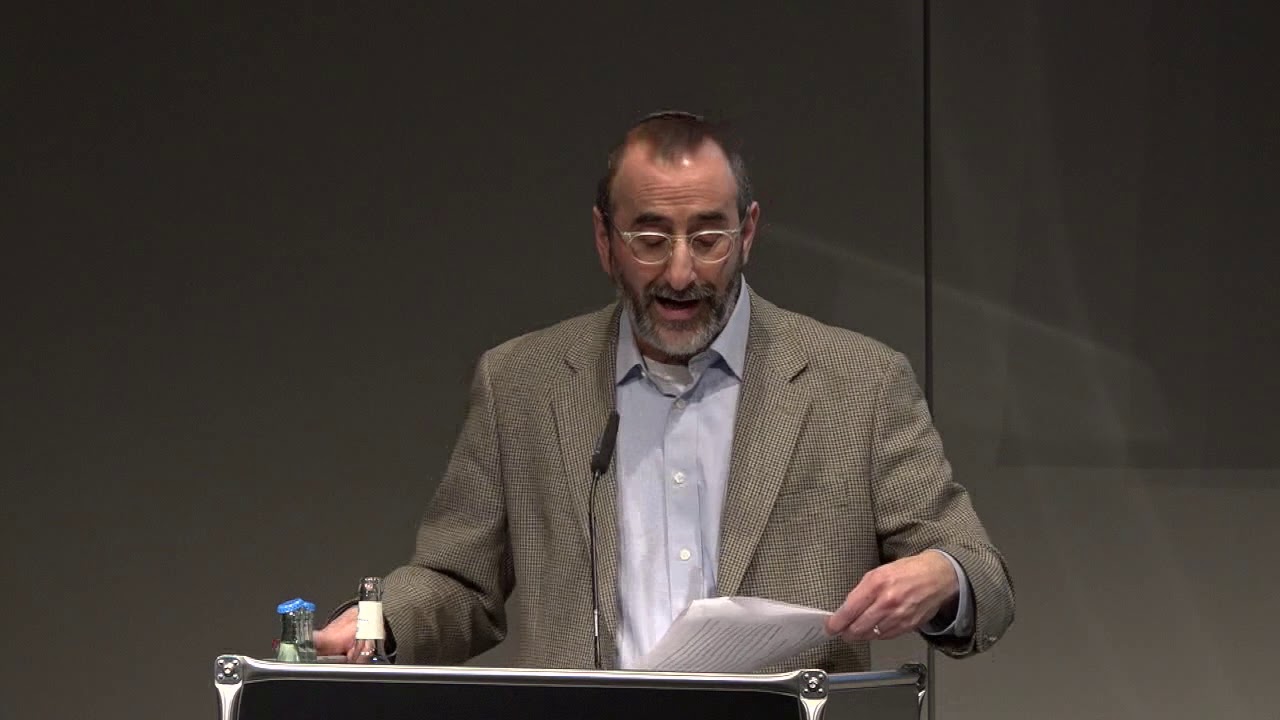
{"x":680,"y":404}
{"x":685,"y":554}
{"x":679,"y":478}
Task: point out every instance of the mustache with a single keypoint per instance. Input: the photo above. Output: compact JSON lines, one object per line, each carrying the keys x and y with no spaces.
{"x":666,"y":292}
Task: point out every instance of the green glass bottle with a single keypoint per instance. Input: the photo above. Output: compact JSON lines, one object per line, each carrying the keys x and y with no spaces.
{"x":288,"y":649}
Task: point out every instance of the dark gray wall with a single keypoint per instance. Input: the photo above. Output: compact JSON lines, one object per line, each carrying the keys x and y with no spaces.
{"x":1105,"y":180}
{"x":253,"y":254}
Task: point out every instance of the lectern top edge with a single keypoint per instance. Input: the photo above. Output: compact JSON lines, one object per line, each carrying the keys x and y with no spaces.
{"x":811,"y":687}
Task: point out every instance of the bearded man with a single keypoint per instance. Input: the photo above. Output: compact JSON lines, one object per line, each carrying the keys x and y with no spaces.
{"x":759,"y":453}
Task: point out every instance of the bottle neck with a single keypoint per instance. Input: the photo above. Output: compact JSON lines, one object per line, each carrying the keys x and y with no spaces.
{"x":289,"y":628}
{"x":306,"y":624}
{"x":371,"y":590}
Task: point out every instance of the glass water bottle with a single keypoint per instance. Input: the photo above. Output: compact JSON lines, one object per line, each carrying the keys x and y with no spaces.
{"x":371,"y":634}
{"x":288,"y":648}
{"x":306,"y":632}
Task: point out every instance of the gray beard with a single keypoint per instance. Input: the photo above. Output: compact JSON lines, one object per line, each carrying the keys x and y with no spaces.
{"x":692,"y":336}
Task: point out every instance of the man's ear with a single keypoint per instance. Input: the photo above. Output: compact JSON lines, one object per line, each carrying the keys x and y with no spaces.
{"x":602,"y":240}
{"x":749,"y":226}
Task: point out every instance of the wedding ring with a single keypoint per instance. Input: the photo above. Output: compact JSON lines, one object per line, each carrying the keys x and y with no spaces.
{"x":876,"y":629}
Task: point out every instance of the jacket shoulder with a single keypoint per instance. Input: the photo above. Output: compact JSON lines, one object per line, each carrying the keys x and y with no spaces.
{"x":545,"y":349}
{"x":829,"y":346}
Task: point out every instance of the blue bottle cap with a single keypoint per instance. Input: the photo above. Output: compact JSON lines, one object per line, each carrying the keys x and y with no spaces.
{"x":289,"y":606}
{"x":308,"y":606}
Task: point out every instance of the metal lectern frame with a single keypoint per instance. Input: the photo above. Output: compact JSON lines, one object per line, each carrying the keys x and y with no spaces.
{"x":812,"y":688}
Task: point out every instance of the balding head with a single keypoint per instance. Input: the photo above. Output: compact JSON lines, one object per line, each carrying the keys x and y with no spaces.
{"x":669,"y":137}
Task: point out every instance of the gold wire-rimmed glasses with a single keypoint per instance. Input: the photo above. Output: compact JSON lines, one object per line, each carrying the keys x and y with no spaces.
{"x":651,"y":247}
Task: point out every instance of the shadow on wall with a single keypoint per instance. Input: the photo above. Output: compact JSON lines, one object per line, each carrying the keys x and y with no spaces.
{"x":1035,"y":392}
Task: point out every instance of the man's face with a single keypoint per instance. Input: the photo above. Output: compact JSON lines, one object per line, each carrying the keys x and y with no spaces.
{"x":678,"y":307}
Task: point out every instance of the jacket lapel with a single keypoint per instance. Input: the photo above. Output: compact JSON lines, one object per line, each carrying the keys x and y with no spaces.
{"x":581,"y":403}
{"x":771,"y":411}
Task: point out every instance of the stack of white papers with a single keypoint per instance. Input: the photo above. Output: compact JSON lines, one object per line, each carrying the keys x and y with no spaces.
{"x":735,"y":635}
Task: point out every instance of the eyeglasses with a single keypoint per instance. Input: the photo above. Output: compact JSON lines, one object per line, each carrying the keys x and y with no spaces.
{"x":650,"y":247}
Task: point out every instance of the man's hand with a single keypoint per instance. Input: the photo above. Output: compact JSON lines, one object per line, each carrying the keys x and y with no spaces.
{"x":896,"y":598}
{"x":339,"y":636}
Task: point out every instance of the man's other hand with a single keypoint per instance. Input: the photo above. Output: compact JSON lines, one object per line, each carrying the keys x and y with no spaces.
{"x":339,"y":636}
{"x":896,"y":598}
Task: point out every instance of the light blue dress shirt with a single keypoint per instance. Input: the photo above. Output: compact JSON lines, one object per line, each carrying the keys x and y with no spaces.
{"x":675,"y":437}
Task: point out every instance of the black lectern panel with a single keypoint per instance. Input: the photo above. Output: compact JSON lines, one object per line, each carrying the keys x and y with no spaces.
{"x":323,"y":699}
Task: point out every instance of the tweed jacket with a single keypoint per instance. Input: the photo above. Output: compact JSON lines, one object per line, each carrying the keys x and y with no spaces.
{"x":835,"y":468}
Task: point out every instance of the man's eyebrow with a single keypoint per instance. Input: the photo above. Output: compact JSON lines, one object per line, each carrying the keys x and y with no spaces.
{"x":650,"y":218}
{"x":711,"y":216}
{"x":704,"y":217}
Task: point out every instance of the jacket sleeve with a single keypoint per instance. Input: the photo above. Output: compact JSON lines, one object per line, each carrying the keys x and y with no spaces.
{"x":447,"y":604}
{"x":918,"y":506}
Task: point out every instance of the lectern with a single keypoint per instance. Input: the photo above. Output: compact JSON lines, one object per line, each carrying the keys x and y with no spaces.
{"x":252,"y":689}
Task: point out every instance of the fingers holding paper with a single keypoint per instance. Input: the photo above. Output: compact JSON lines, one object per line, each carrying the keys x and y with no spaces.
{"x":896,"y":598}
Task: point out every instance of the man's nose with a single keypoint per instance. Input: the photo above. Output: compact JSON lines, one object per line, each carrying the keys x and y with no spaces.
{"x":679,"y":273}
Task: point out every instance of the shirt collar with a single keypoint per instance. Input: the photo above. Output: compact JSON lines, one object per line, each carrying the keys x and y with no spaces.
{"x":730,"y":345}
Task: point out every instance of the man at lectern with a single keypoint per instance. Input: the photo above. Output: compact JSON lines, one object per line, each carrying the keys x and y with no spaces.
{"x":759,"y":453}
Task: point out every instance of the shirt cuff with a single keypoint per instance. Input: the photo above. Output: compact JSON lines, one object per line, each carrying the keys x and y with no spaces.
{"x":962,"y":624}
